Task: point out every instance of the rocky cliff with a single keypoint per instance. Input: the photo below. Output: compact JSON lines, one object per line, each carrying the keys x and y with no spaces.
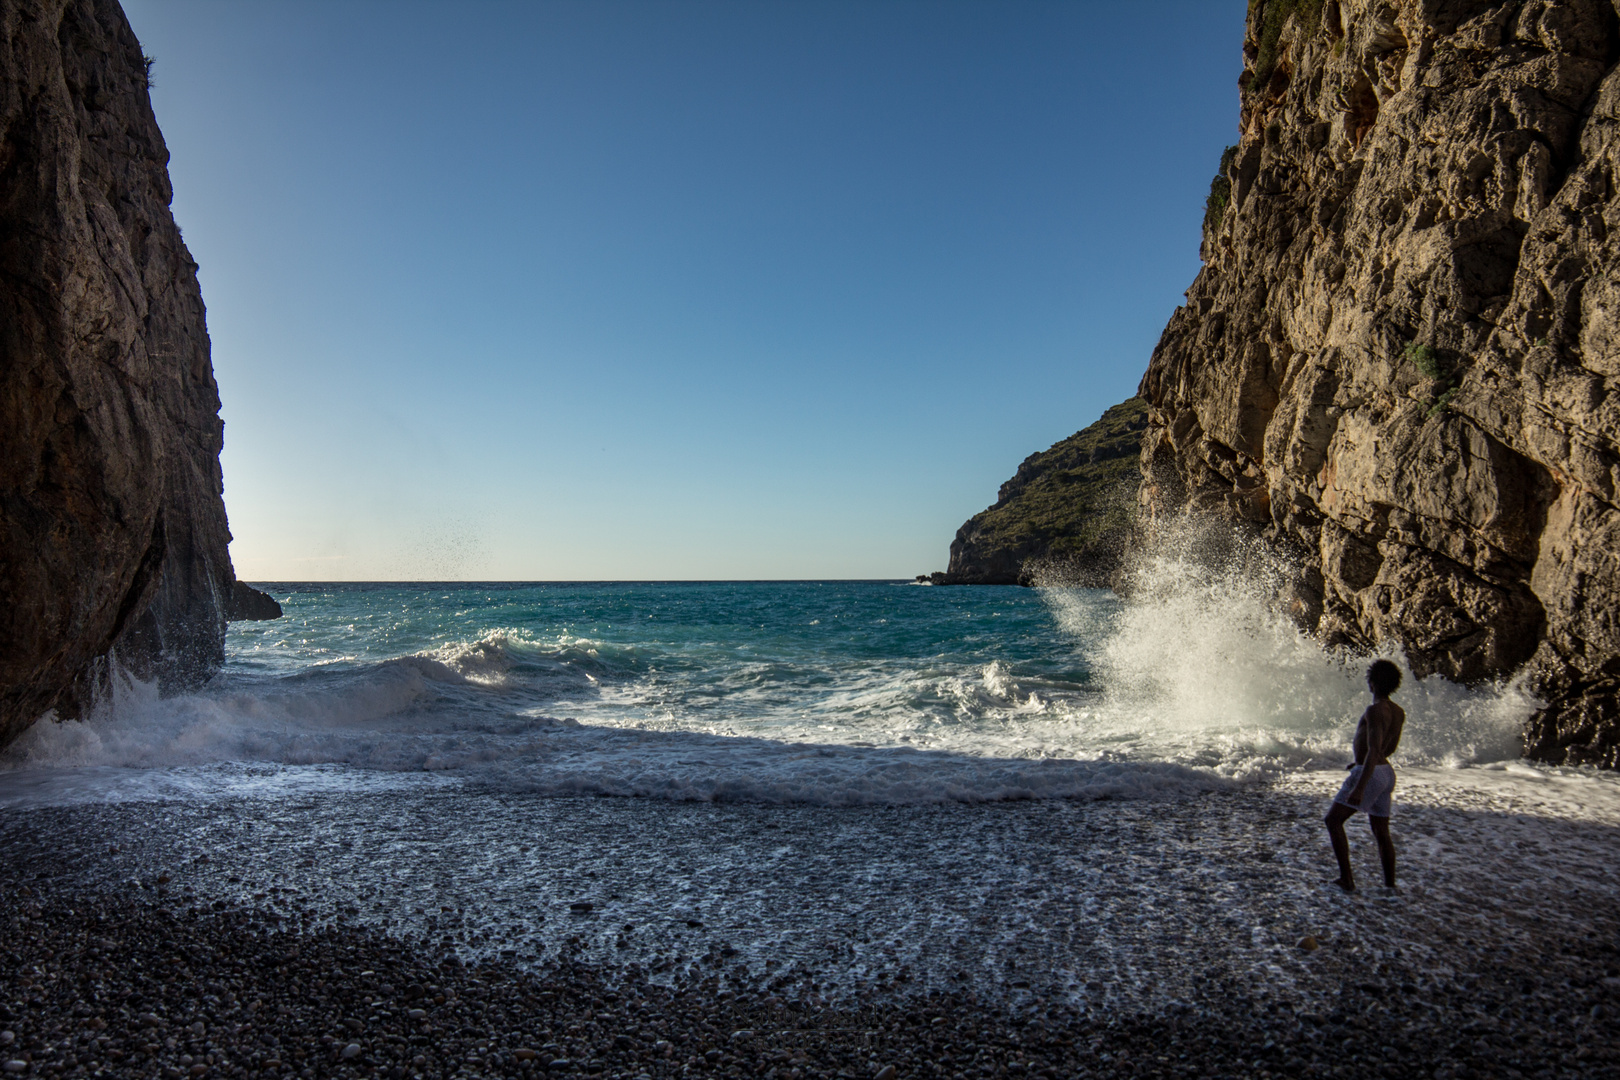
{"x":1402,"y":356}
{"x":112,"y":523}
{"x":1065,"y":512}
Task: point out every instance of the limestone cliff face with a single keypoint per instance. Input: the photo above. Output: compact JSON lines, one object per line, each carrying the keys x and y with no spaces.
{"x":1402,"y":356}
{"x":112,"y":523}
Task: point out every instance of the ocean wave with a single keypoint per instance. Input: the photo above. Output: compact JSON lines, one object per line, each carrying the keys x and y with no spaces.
{"x":136,"y":728}
{"x":504,"y":657}
{"x":1194,"y":680}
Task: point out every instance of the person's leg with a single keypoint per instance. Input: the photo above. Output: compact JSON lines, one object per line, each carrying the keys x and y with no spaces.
{"x":1337,"y":815}
{"x":1386,"y":847}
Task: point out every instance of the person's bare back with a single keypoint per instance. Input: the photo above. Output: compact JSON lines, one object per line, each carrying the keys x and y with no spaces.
{"x":1379,"y":732}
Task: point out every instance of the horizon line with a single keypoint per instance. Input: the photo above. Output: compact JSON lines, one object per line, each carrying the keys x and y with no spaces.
{"x":581,"y":581}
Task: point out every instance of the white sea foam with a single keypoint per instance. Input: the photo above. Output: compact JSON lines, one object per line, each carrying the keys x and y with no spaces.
{"x":1202,"y":665}
{"x":1195,"y":681}
{"x":424,"y":714}
{"x":541,"y":756}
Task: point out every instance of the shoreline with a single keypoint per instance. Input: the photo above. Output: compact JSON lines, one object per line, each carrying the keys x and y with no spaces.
{"x":1495,"y":959}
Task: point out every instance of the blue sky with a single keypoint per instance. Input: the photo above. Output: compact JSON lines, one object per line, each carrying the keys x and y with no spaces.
{"x":672,"y":290}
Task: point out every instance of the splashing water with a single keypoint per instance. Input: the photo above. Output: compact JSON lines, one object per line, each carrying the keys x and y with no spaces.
{"x":823,"y":692}
{"x":1202,"y":665}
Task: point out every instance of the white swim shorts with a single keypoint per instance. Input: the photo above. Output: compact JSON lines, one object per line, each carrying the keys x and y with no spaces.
{"x":1376,"y":796}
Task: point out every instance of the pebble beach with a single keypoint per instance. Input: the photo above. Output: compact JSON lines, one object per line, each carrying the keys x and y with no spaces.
{"x":1152,"y":937}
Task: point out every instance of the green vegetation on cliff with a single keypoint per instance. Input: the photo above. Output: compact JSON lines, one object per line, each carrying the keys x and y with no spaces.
{"x":1273,"y":14}
{"x":1220,"y":193}
{"x":1068,"y":507}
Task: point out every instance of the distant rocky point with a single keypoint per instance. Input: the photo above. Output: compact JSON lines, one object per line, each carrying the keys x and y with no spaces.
{"x":250,"y":605}
{"x":1066,"y":513}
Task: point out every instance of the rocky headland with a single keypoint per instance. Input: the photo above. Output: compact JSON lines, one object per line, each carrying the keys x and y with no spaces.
{"x":1399,"y":361}
{"x":112,"y":520}
{"x":1066,"y":513}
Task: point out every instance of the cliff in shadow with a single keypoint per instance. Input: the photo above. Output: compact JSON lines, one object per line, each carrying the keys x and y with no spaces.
{"x":1066,"y":512}
{"x":112,"y":522}
{"x":1401,"y":358}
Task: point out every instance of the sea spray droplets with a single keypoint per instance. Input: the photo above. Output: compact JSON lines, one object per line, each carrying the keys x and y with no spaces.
{"x":1203,"y":663}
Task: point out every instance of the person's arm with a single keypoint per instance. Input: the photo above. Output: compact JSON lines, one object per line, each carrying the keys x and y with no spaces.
{"x":1363,"y":745}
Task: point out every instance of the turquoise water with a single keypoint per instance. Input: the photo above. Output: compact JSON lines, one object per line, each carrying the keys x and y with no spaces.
{"x":738,"y":658}
{"x":838,"y":693}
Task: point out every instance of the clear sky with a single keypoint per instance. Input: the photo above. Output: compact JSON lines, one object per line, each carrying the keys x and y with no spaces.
{"x":617,"y":290}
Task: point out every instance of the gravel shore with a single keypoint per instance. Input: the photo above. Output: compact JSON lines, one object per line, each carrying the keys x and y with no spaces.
{"x":152,"y":989}
{"x":169,"y":940}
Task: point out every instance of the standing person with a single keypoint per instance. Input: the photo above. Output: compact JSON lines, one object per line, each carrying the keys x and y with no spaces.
{"x":1372,"y":779}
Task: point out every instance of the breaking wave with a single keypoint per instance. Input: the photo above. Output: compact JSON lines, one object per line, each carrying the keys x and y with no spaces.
{"x":831,"y":693}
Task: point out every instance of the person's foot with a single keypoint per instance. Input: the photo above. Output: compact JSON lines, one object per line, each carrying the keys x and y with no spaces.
{"x":1345,"y":883}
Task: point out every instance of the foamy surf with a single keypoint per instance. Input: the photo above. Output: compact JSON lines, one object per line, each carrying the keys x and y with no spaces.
{"x":1204,"y":660}
{"x":139,"y":744}
{"x":838,"y":694}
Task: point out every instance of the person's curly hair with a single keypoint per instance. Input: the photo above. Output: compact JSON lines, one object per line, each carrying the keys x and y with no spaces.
{"x":1383,"y":678}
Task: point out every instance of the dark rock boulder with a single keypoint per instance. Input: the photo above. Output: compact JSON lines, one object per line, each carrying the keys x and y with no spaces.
{"x":1066,"y":512}
{"x":112,"y":522}
{"x":250,"y":605}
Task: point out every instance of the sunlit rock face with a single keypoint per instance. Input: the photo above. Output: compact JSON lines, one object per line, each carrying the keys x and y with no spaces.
{"x":1400,"y":358}
{"x":112,"y":524}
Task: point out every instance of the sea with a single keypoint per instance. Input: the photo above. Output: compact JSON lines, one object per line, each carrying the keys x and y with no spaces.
{"x":835,"y":693}
{"x":841,"y":785}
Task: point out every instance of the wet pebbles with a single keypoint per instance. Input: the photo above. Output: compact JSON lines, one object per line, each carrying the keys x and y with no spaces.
{"x":278,"y":939}
{"x":100,"y":985}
